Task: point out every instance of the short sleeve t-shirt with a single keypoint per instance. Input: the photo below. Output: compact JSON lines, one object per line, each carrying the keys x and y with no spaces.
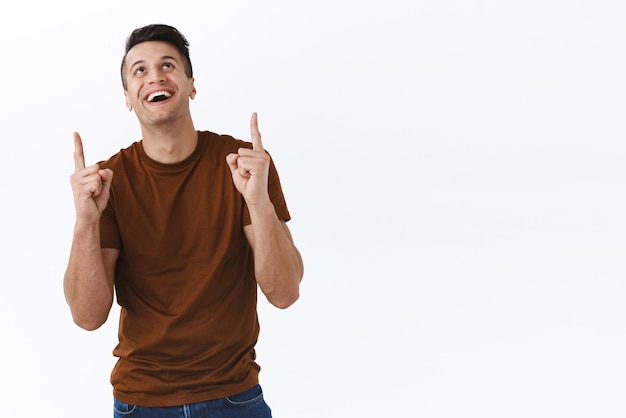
{"x":185,"y":275}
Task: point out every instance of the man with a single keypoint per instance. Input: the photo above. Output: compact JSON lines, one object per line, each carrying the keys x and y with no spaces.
{"x":182,"y":225}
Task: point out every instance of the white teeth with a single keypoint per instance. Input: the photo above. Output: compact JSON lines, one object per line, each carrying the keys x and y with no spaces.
{"x":158,"y":93}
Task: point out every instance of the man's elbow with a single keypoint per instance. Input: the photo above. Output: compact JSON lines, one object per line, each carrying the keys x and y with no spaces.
{"x":285,"y":300}
{"x":88,"y":323}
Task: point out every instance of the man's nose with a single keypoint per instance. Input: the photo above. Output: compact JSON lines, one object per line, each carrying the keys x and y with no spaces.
{"x":157,"y":76}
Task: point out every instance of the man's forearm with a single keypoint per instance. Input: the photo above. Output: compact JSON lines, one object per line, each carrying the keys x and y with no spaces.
{"x":278,"y":264}
{"x":88,"y":291}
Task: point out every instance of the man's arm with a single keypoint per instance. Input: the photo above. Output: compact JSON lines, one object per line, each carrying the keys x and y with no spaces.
{"x":278,"y":266}
{"x":88,"y":281}
{"x":277,"y":262}
{"x":89,"y":278}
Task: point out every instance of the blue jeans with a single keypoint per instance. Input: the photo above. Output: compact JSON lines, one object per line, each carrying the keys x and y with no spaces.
{"x":248,"y":404}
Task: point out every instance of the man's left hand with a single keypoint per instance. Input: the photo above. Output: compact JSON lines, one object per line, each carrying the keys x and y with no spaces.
{"x":250,"y":168}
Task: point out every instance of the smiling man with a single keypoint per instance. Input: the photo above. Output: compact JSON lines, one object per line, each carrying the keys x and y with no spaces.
{"x":181,"y":226}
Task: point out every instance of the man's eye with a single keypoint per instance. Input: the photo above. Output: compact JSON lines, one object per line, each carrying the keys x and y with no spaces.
{"x":140,"y":70}
{"x":168,"y":65}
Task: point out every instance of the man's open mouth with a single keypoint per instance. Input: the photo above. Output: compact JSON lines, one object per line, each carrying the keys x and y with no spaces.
{"x":159,"y":96}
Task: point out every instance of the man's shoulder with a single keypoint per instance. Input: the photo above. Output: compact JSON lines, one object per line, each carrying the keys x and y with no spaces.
{"x":124,"y":154}
{"x":216,"y":140}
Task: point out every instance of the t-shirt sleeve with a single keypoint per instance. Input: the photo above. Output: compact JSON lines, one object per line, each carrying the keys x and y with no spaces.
{"x":276,"y":196}
{"x":109,"y":232}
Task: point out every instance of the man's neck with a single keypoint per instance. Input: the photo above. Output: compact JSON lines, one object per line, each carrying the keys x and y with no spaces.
{"x":169,"y":144}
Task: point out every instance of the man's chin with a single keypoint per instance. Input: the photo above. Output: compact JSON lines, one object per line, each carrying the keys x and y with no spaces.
{"x":157,"y":119}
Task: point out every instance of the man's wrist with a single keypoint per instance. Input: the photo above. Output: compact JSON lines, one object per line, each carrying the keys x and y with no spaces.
{"x":262,"y":209}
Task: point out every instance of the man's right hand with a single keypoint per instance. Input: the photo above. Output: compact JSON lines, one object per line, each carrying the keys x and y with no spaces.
{"x":91,"y":186}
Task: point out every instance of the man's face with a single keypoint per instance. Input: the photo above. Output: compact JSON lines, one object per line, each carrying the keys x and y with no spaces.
{"x":157,"y":87}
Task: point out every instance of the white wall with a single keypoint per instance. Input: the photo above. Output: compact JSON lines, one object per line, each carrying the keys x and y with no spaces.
{"x":454,"y":170}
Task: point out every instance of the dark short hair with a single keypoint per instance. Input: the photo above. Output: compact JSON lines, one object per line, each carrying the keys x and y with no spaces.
{"x":159,"y":32}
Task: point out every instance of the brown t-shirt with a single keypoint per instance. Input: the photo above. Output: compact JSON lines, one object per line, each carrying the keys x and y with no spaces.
{"x":185,"y":276}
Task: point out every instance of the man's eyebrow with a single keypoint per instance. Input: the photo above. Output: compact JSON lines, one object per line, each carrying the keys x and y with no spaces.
{"x":164,"y":57}
{"x":136,"y":63}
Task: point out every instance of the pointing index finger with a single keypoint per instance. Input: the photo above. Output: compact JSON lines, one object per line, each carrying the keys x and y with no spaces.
{"x":79,"y":156}
{"x":257,"y":145}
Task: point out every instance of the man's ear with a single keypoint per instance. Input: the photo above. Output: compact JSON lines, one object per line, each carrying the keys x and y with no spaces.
{"x":128,"y":105}
{"x":192,"y":94}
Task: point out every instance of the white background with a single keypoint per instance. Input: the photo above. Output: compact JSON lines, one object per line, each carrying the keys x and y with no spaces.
{"x":454,"y":169}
